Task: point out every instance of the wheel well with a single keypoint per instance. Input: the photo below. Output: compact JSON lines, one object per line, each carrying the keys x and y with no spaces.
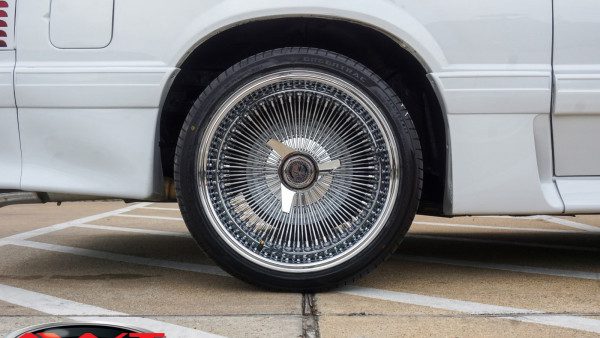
{"x":372,"y":48}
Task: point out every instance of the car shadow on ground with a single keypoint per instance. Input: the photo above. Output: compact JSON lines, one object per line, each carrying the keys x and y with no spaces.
{"x":559,"y":250}
{"x":530,"y":248}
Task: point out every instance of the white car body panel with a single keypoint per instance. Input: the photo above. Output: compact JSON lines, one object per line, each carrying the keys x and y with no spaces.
{"x":580,"y":194}
{"x":104,"y":158}
{"x":576,"y":113}
{"x":490,"y":63}
{"x":520,"y":144}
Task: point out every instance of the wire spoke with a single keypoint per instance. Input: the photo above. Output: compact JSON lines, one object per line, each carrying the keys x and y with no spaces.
{"x":298,"y":171}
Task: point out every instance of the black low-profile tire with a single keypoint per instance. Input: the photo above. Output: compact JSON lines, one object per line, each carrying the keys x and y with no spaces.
{"x":298,"y":169}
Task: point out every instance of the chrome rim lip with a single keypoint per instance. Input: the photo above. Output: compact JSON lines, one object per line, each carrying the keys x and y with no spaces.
{"x":356,"y":94}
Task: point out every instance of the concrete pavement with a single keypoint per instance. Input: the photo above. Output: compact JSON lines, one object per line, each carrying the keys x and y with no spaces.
{"x":466,"y":276}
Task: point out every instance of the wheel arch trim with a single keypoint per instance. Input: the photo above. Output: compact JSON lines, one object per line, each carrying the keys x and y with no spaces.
{"x":381,"y":16}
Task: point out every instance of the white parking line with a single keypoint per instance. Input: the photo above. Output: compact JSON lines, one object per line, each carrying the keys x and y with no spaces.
{"x":505,"y":216}
{"x":134,"y":230}
{"x":89,"y":313}
{"x":555,"y":220}
{"x":200,"y":268}
{"x":61,"y":226}
{"x":505,"y":242}
{"x":504,"y":267}
{"x":151,"y":217}
{"x":522,"y":315}
{"x":35,"y":232}
{"x":161,"y":208}
{"x":477,"y":226}
{"x":110,"y":213}
{"x":568,"y":223}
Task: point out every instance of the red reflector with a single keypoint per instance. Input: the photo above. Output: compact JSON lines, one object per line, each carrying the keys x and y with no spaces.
{"x":2,"y":23}
{"x":2,"y":34}
{"x":3,"y":4}
{"x":3,"y":14}
{"x":2,"y":43}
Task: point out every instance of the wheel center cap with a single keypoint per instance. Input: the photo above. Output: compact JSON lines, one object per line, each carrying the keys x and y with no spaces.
{"x":298,"y":171}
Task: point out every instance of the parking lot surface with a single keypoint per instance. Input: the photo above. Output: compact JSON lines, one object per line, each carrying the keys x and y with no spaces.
{"x":136,"y":264}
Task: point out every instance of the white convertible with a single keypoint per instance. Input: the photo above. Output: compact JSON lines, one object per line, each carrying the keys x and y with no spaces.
{"x":301,"y":137}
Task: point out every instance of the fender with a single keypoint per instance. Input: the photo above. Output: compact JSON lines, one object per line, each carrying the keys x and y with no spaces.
{"x":381,"y":15}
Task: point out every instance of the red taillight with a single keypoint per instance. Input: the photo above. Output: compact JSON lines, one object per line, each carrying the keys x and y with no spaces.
{"x":4,"y":20}
{"x":3,"y":24}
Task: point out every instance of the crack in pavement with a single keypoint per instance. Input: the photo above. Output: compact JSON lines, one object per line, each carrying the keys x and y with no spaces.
{"x":310,"y":316}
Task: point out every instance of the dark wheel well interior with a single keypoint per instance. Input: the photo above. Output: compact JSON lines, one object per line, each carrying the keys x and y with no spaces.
{"x":372,"y":48}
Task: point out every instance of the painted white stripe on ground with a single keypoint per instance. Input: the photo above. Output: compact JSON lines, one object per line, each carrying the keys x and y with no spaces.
{"x":504,"y":267}
{"x":36,"y":232}
{"x":49,"y":304}
{"x":152,"y":217}
{"x":566,"y":321}
{"x":200,"y":268}
{"x":494,"y":227}
{"x":111,"y":213}
{"x":161,"y":208}
{"x":135,"y":230}
{"x":61,"y":226}
{"x":505,"y":216}
{"x":568,"y":223}
{"x":504,"y":242}
{"x":84,"y":312}
{"x":434,"y":302}
{"x":523,"y":315}
{"x":553,"y":219}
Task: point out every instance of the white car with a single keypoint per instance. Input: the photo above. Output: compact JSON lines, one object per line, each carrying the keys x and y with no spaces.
{"x":303,"y":136}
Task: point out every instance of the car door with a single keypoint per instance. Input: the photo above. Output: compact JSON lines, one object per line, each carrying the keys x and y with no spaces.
{"x":10,"y":148}
{"x":576,"y":115}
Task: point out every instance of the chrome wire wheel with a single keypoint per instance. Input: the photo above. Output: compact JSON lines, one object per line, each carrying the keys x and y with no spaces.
{"x":298,"y":170}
